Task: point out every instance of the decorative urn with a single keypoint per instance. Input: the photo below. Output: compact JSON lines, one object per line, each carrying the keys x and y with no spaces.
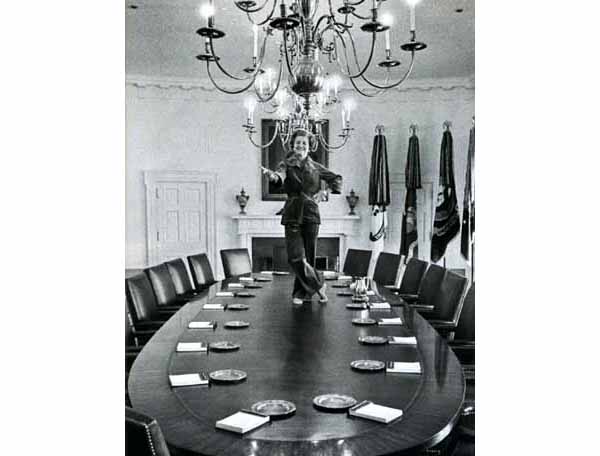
{"x":352,"y":199}
{"x":242,"y":200}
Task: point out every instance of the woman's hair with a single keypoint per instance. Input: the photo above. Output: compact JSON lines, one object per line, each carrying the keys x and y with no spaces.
{"x":300,"y":132}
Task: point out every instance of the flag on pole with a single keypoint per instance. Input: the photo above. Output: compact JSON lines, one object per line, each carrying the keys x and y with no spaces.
{"x":468,"y":218}
{"x":446,"y":224}
{"x":409,"y":246}
{"x":379,"y":186}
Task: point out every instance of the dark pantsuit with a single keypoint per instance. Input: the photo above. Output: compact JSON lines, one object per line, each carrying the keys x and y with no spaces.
{"x":301,"y":244}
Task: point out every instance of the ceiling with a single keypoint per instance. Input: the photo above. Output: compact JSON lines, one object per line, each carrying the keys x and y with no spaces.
{"x":161,"y":39}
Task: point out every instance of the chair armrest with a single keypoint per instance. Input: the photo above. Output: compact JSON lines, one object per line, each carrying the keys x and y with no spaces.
{"x":171,"y":309}
{"x":408,"y":296}
{"x":443,"y":325}
{"x":422,"y":307}
{"x":132,"y":350}
{"x":143,"y":336}
{"x":149,"y":325}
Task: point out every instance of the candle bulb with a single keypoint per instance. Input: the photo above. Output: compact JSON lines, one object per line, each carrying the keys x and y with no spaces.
{"x":412,"y":17}
{"x":255,"y":31}
{"x":343,"y":119}
{"x":387,"y":40}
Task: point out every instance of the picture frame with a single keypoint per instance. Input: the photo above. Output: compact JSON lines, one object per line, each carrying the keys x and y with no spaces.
{"x":275,"y":153}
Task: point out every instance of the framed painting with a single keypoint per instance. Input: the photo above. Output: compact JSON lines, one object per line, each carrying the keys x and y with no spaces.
{"x":273,"y":155}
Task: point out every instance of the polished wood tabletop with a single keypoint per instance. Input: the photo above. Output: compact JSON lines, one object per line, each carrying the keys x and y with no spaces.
{"x":295,"y":353}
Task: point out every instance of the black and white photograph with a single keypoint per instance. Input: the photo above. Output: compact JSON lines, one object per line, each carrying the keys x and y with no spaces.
{"x":300,"y":227}
{"x":283,"y":200}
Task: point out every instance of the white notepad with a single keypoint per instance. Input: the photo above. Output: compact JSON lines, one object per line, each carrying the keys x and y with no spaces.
{"x":380,"y":305}
{"x":242,"y":422}
{"x":375,"y":412}
{"x":412,"y":340}
{"x":329,"y":273}
{"x":235,"y":285}
{"x":370,"y":293}
{"x":224,"y":294}
{"x":217,"y":306}
{"x":246,"y":279}
{"x":266,"y":272}
{"x":191,"y":347}
{"x":201,"y":325}
{"x":345,"y":277}
{"x":403,"y":368}
{"x":390,"y":321}
{"x":188,"y":379}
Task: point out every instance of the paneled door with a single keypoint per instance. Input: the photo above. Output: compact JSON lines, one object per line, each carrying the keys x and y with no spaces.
{"x":180,"y":209}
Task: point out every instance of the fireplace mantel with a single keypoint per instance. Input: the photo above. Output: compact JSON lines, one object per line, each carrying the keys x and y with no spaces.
{"x":251,"y":226}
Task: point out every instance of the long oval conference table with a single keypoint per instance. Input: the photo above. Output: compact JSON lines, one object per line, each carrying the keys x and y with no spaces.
{"x":295,"y":353}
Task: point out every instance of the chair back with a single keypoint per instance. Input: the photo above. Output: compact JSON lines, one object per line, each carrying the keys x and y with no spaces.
{"x":162,"y":284}
{"x":235,"y":262}
{"x":357,"y":262}
{"x":129,"y":337}
{"x":143,"y":436}
{"x":141,"y":299}
{"x":413,"y":275}
{"x":465,"y":330}
{"x":202,"y":273}
{"x":430,"y":284}
{"x":180,"y":277}
{"x":447,"y":300}
{"x":386,"y":268}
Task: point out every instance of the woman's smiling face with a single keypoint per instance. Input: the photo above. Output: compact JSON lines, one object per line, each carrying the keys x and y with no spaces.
{"x":301,"y":145}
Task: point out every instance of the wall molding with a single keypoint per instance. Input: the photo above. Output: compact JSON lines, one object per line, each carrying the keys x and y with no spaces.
{"x":204,"y":84}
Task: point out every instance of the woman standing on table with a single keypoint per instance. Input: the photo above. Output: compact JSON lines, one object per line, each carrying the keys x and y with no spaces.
{"x":301,"y":180}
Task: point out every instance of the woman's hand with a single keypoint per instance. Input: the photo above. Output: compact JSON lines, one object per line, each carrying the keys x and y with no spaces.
{"x":273,"y":177}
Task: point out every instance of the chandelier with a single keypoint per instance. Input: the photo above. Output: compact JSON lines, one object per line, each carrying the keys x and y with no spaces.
{"x":315,"y":53}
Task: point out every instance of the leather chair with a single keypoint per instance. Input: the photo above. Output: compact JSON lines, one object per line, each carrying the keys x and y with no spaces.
{"x":181,"y":279}
{"x":357,"y":262}
{"x":411,"y":279}
{"x":163,"y":286}
{"x":447,"y":303}
{"x":235,"y":262}
{"x":428,"y":289}
{"x":142,"y":304}
{"x":463,"y":342}
{"x":202,"y":273}
{"x":386,"y":268}
{"x":143,"y":436}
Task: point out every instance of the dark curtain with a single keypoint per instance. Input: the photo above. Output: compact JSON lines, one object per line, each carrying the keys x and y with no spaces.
{"x":379,"y":184}
{"x":468,"y":219}
{"x":446,"y":224}
{"x":412,"y":177}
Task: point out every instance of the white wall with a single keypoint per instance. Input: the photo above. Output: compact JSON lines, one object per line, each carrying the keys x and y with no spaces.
{"x":182,"y":126}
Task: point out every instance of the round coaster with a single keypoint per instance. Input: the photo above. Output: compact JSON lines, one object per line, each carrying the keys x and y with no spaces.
{"x":373,"y":340}
{"x":363,"y":321}
{"x":356,"y":306}
{"x":262,"y":279}
{"x":227,"y":376}
{"x":244,"y":294}
{"x":223,"y":346}
{"x":369,"y":365}
{"x":275,"y":408}
{"x":334,"y":402}
{"x":238,"y":307}
{"x":236,"y":324}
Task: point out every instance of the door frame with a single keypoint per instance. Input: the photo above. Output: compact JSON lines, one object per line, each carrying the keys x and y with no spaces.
{"x":154,"y":177}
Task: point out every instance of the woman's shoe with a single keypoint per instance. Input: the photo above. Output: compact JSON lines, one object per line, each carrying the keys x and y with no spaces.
{"x":322,"y":296}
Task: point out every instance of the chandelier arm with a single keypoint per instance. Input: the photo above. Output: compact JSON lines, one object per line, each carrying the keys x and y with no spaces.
{"x":251,"y":75}
{"x":330,"y":147}
{"x":256,"y":9}
{"x":270,"y":97}
{"x":260,"y":146}
{"x":230,"y":92}
{"x":268,"y":18}
{"x":364,"y":18}
{"x":377,"y":92}
{"x":361,"y":72}
{"x":359,"y":2}
{"x":395,"y":84}
{"x":316,"y":28}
